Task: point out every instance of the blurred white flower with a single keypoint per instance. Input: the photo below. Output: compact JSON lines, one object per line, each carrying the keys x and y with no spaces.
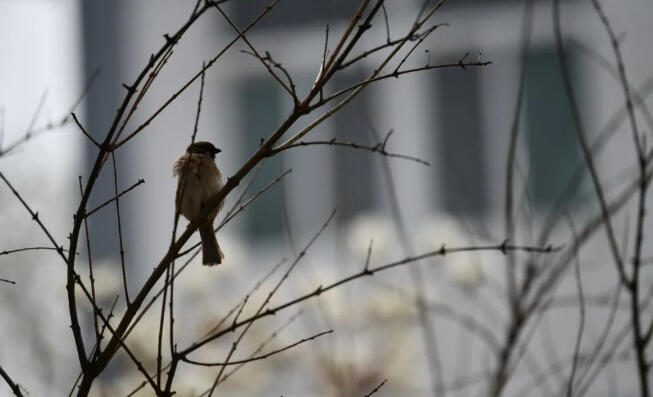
{"x":466,"y":270}
{"x":368,"y":227}
{"x":442,"y":229}
{"x":108,"y":281}
{"x":143,"y":339}
{"x":387,"y":307}
{"x":198,"y":281}
{"x":463,"y":268}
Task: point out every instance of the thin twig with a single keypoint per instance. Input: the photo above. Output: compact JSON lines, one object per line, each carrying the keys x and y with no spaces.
{"x":96,"y":348}
{"x":423,"y":36}
{"x":387,"y":23}
{"x":388,"y":44}
{"x":256,"y":358}
{"x":77,"y":334}
{"x":323,"y":64}
{"x":146,"y":86}
{"x":15,"y":387}
{"x":218,"y":325}
{"x":183,"y":88}
{"x":37,"y":112}
{"x":2,"y":125}
{"x":50,"y":126}
{"x":263,"y":305}
{"x":639,"y":344}
{"x":608,"y":131}
{"x":581,"y":308}
{"x":637,"y":99}
{"x":83,"y":130}
{"x":427,"y":329}
{"x":395,"y":74}
{"x":376,"y":388}
{"x":7,"y":252}
{"x":264,"y":343}
{"x":99,"y":207}
{"x":120,"y":239}
{"x":264,"y":60}
{"x":90,"y":269}
{"x":378,"y":148}
{"x":580,"y":132}
{"x":268,"y":60}
{"x":159,"y":345}
{"x":509,"y":221}
{"x":369,"y":255}
{"x":442,"y":251}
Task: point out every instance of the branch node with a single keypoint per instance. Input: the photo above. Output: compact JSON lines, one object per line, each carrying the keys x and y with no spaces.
{"x":504,"y":247}
{"x":130,"y":88}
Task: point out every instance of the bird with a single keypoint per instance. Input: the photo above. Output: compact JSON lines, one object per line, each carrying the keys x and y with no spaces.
{"x":198,"y":183}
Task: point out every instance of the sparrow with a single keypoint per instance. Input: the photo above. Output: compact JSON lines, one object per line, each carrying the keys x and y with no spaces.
{"x":198,"y":182}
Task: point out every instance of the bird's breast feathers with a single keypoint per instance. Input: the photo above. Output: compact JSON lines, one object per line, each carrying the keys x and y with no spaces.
{"x":199,"y":181}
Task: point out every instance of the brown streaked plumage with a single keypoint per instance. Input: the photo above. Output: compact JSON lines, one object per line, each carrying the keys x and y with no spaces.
{"x":198,"y":181}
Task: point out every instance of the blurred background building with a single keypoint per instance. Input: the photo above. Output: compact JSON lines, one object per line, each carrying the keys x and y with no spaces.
{"x":457,"y":120}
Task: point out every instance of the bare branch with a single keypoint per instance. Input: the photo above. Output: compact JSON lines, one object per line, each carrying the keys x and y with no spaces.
{"x":90,"y":269}
{"x":395,"y":74}
{"x":639,"y":344}
{"x":235,"y":325}
{"x":376,"y":388}
{"x":13,"y":385}
{"x":195,"y":77}
{"x":256,"y":358}
{"x":266,"y":61}
{"x":122,"y":248}
{"x":7,"y":252}
{"x":442,"y":251}
{"x":50,"y":126}
{"x":219,"y":324}
{"x":378,"y":148}
{"x":581,"y":308}
{"x":83,"y":130}
{"x":580,"y":132}
{"x":99,"y":207}
{"x":509,"y":226}
{"x":79,"y":342}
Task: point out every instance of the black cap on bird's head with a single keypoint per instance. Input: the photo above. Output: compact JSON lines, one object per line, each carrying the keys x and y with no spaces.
{"x":203,"y":147}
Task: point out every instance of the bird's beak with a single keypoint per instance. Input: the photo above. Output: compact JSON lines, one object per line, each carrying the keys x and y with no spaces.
{"x":216,"y":151}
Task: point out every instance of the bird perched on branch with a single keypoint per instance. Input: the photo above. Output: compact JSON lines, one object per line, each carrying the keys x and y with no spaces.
{"x":198,"y":182}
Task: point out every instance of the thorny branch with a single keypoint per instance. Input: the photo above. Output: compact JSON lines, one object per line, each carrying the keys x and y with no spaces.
{"x":442,"y":251}
{"x":15,"y":387}
{"x":378,"y":148}
{"x":256,"y":358}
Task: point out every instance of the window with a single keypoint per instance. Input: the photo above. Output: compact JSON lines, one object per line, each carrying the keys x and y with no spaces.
{"x":354,"y":169}
{"x":259,"y":116}
{"x":553,"y":145}
{"x":461,"y":148}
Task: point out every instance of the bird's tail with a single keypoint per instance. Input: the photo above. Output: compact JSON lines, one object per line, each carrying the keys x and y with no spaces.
{"x":211,"y":253}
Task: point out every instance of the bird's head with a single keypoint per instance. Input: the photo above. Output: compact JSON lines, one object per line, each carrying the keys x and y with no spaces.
{"x":203,"y":147}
